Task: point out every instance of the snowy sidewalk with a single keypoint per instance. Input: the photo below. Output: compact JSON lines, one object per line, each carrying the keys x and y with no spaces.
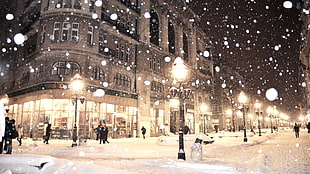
{"x":132,"y":148}
{"x":229,"y":154}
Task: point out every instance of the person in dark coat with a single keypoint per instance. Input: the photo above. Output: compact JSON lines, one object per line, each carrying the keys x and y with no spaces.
{"x":102,"y":135}
{"x":3,"y":142}
{"x":308,"y":127}
{"x":47,"y":134}
{"x":143,"y":131}
{"x":9,"y":128}
{"x":106,"y":132}
{"x":296,"y":130}
{"x":97,"y":131}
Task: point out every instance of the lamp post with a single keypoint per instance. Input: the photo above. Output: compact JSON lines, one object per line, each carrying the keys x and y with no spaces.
{"x":258,"y":105}
{"x":179,"y":73}
{"x":76,"y":86}
{"x":242,"y":99}
{"x":251,"y":126}
{"x":204,"y":115}
{"x":270,"y":112}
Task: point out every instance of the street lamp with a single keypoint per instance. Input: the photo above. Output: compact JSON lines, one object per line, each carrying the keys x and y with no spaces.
{"x":76,"y":86}
{"x":179,"y":73}
{"x":258,"y":105}
{"x":242,"y":99}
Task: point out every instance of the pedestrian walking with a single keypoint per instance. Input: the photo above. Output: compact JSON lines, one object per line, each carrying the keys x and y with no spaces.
{"x":97,"y":131}
{"x":47,"y":135}
{"x":102,"y":135}
{"x":20,"y":130}
{"x":308,"y":127}
{"x":296,"y":130}
{"x":105,"y":134}
{"x":143,"y":131}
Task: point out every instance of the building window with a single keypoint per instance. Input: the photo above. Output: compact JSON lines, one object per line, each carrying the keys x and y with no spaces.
{"x":56,"y":31}
{"x":43,"y":34}
{"x":98,"y":74}
{"x":185,"y":47}
{"x":75,"y":32}
{"x":25,"y":78}
{"x":171,"y":38}
{"x":65,"y":31}
{"x":77,"y":4}
{"x":40,"y":72}
{"x":122,"y":80}
{"x":157,"y":86}
{"x":154,"y":28}
{"x":101,"y":44}
{"x":65,"y":68}
{"x":68,"y":4}
{"x":90,"y":35}
{"x":154,"y":64}
{"x":92,"y":6}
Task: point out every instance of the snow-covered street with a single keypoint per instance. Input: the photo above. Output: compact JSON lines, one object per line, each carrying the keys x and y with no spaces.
{"x":279,"y":152}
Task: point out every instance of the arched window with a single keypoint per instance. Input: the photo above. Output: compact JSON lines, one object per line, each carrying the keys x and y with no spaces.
{"x":65,"y":68}
{"x":185,"y":47}
{"x":171,"y":38}
{"x":154,"y":28}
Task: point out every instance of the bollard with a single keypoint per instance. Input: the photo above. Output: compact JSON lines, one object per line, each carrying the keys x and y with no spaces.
{"x":196,"y":150}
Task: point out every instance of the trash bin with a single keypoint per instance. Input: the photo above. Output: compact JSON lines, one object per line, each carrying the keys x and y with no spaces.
{"x":196,"y":150}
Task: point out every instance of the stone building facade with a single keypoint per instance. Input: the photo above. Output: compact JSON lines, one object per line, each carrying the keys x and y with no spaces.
{"x":305,"y":60}
{"x":124,"y":51}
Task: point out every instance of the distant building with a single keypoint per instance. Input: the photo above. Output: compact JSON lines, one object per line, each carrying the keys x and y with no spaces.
{"x":305,"y":61}
{"x":125,"y":48}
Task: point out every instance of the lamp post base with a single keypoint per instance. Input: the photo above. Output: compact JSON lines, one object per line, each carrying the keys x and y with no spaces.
{"x":181,"y":156}
{"x":245,"y":139}
{"x":74,"y":144}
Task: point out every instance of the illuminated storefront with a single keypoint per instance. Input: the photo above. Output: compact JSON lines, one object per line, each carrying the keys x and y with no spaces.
{"x":34,"y":115}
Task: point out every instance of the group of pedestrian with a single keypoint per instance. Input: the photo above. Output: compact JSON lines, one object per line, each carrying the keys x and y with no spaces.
{"x":102,"y":134}
{"x":7,"y":136}
{"x":297,"y":129}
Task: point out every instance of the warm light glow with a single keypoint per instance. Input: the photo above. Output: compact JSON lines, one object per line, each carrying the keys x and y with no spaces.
{"x":269,"y":110}
{"x":258,"y":105}
{"x":239,"y":113}
{"x":179,"y":70}
{"x":77,"y":83}
{"x":242,"y":98}
{"x":250,"y":116}
{"x":301,"y":118}
{"x":203,"y":108}
{"x":174,"y":103}
{"x":229,"y":112}
{"x":5,"y":99}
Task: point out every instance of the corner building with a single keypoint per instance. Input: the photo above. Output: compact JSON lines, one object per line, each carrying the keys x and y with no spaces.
{"x":124,"y":51}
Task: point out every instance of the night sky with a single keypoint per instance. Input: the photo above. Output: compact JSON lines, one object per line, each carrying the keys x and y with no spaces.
{"x":260,"y":39}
